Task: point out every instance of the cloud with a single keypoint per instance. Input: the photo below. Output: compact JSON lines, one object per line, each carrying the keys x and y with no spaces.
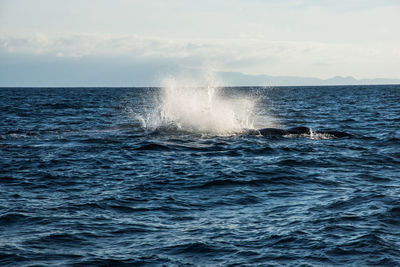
{"x":252,"y":56}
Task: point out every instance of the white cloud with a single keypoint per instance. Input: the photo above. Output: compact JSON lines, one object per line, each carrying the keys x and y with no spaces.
{"x":277,"y":37}
{"x":252,"y":56}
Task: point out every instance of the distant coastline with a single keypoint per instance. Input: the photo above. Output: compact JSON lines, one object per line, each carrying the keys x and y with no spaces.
{"x":153,"y":78}
{"x":240,"y":79}
{"x":38,"y":72}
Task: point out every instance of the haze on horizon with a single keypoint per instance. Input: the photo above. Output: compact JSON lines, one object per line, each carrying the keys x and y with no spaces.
{"x":136,"y":43}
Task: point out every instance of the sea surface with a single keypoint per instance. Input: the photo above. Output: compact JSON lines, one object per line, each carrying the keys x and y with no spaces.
{"x":128,"y":177}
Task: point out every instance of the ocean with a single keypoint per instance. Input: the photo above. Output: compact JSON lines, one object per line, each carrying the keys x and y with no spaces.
{"x":169,"y":177}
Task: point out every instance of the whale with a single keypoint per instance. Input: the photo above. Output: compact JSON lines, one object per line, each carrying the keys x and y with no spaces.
{"x":275,"y":132}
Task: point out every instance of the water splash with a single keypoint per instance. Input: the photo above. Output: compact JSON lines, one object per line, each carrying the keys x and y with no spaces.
{"x":186,"y":106}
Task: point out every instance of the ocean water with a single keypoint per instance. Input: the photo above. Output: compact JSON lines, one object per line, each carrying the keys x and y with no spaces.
{"x":168,"y":176}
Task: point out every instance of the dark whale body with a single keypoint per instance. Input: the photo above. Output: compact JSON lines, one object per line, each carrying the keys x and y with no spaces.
{"x":274,"y":132}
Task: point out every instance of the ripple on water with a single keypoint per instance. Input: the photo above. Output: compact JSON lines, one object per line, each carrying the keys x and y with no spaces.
{"x":84,"y":182}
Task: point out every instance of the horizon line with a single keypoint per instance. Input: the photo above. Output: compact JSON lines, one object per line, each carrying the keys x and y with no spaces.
{"x":225,"y":86}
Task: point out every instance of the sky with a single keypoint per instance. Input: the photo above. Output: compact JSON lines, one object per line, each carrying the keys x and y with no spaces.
{"x":138,"y":42}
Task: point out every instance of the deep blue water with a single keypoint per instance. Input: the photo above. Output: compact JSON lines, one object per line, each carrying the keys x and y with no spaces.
{"x":83,"y":183}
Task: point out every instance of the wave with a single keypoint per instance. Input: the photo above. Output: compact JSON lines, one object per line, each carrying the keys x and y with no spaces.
{"x":153,"y":146}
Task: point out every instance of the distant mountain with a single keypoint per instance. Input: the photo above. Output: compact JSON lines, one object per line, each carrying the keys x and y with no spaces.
{"x":40,"y":71}
{"x":240,"y":79}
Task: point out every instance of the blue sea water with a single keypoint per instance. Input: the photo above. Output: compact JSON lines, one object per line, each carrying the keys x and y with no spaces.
{"x":84,"y":181}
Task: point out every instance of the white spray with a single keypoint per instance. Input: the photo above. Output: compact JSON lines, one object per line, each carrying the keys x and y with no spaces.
{"x":189,"y":107}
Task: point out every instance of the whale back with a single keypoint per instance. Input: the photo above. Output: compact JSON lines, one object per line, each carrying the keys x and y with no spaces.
{"x":336,"y":133}
{"x":272,"y":132}
{"x":299,"y":130}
